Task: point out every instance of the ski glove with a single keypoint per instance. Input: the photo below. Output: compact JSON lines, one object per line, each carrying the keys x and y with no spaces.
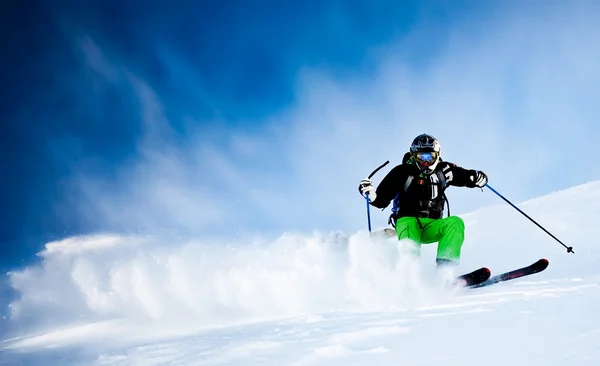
{"x":366,"y":186}
{"x":480,"y":179}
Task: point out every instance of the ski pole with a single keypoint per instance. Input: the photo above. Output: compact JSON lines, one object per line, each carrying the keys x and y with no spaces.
{"x":569,"y":249}
{"x":368,"y":211}
{"x":367,"y":195}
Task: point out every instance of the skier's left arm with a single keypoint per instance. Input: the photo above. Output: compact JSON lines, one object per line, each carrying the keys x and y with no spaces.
{"x":461,"y":177}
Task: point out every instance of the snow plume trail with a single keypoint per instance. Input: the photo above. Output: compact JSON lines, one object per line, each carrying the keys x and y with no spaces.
{"x":140,"y":283}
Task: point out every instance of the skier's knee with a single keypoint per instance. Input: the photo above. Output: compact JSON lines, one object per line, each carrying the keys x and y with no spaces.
{"x":456,"y":223}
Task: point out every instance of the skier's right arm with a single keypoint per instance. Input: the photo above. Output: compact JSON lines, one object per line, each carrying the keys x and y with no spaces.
{"x":387,"y":189}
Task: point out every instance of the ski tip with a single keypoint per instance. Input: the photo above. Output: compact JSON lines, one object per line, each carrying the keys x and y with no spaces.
{"x":543,"y":263}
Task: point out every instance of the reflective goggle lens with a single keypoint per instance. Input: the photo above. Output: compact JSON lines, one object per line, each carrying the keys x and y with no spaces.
{"x":425,"y":158}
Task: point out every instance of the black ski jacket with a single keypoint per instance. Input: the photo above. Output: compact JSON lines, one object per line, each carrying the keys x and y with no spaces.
{"x":418,"y":195}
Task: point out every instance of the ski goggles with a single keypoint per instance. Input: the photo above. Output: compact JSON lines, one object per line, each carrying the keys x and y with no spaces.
{"x":426,"y":158}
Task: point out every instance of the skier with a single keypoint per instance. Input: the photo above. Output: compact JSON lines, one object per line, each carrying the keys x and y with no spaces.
{"x":416,"y":188}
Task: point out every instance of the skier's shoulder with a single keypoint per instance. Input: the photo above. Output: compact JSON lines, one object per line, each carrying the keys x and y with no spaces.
{"x":445,"y":165}
{"x":455,"y":173}
{"x":399,"y":171}
{"x":454,"y":167}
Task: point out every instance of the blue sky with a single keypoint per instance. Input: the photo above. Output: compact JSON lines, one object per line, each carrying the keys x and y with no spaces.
{"x":244,"y":117}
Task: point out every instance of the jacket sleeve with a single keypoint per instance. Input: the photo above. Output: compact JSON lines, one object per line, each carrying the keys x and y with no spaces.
{"x":460,"y":177}
{"x":387,"y":189}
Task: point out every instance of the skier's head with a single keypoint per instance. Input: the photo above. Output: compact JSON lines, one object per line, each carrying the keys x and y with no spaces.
{"x":425,"y":151}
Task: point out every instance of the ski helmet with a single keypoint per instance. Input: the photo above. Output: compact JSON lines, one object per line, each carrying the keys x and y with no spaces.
{"x":425,"y":150}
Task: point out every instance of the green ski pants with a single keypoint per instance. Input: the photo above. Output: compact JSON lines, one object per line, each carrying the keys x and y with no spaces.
{"x":448,"y":232}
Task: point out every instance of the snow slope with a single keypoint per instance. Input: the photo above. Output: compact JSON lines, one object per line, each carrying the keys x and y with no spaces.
{"x":320,"y":299}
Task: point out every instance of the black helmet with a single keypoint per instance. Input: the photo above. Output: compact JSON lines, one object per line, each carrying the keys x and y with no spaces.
{"x":425,"y":150}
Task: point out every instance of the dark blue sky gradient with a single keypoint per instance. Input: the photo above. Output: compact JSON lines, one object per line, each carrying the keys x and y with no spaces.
{"x":233,"y":61}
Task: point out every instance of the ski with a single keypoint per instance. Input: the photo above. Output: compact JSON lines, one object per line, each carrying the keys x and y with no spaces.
{"x":533,"y":268}
{"x":473,"y":278}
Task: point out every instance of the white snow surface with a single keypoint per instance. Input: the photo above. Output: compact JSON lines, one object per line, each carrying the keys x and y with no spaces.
{"x":317,"y":299}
